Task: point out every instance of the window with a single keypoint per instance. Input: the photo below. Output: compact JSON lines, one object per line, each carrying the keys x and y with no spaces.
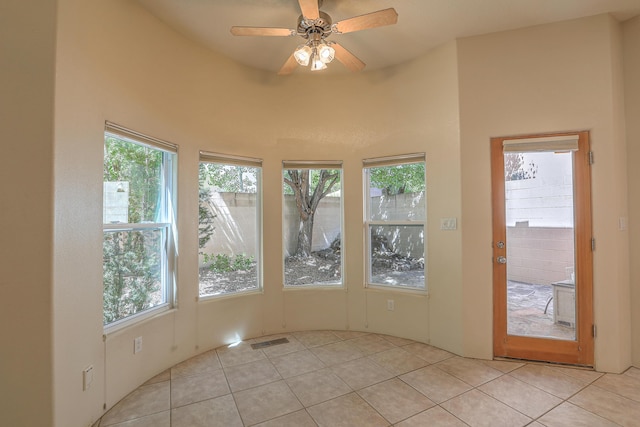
{"x":229,"y":227}
{"x":395,"y":217}
{"x":312,"y":223}
{"x":138,"y":221}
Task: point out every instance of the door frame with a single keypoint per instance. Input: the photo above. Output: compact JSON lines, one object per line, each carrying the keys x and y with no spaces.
{"x":580,"y":351}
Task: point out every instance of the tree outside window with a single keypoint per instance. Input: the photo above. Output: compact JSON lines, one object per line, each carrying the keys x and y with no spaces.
{"x":312,"y":224}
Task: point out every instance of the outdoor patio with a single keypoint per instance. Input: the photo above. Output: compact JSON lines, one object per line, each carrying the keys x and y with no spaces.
{"x":526,"y":305}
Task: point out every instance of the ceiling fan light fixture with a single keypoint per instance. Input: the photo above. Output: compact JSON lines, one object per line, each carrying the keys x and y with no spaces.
{"x":326,"y":53}
{"x":315,"y":26}
{"x":303,"y":54}
{"x":316,"y":62}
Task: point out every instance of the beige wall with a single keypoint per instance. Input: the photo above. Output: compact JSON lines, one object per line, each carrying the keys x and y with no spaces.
{"x":27,"y":55}
{"x":138,"y":73}
{"x":555,"y":77}
{"x":115,"y":62}
{"x":631,"y":43}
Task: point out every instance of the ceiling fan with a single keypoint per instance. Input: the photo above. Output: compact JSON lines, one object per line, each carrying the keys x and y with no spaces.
{"x":315,"y":26}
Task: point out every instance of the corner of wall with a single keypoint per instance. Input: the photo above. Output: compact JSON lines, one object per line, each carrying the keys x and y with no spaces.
{"x":631,"y":46}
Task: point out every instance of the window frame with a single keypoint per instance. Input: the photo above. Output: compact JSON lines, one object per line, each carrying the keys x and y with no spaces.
{"x":315,"y":165}
{"x":168,"y":257}
{"x":368,"y":223}
{"x":233,"y":160}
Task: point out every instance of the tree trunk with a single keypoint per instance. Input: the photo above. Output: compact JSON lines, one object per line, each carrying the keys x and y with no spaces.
{"x":307,"y":200}
{"x":305,"y":236}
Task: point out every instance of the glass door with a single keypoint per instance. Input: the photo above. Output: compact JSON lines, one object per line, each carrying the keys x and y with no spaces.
{"x":542,"y":248}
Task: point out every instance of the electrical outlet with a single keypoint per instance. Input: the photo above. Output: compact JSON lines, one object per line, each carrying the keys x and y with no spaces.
{"x":87,"y":377}
{"x":622,"y":223}
{"x":390,"y":305}
{"x":448,"y":223}
{"x":137,"y":345}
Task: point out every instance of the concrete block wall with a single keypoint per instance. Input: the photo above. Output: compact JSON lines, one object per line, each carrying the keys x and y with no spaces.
{"x":540,"y":255}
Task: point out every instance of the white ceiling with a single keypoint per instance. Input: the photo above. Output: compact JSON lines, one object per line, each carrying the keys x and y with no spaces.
{"x":422,"y":24}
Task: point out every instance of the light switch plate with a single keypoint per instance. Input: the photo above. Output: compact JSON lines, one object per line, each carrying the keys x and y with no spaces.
{"x":87,"y":377}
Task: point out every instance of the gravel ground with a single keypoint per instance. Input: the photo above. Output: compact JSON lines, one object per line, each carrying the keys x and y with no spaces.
{"x":322,"y":267}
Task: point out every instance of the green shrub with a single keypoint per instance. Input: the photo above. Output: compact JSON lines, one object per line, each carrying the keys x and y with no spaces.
{"x":223,"y":263}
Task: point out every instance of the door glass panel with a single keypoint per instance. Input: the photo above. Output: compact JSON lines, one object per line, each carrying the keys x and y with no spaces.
{"x":540,"y":244}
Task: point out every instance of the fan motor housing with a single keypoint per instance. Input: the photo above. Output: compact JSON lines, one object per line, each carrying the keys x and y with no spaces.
{"x":321,"y":25}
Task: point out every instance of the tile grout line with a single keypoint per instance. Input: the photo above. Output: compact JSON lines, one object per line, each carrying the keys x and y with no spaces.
{"x":365,"y":356}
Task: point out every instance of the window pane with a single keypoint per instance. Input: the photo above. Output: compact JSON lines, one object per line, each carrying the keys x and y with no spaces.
{"x":312,"y":227}
{"x":133,"y":182}
{"x":397,"y":193}
{"x":132,"y":267}
{"x":137,"y":241}
{"x":397,"y":255}
{"x":396,"y":216}
{"x":228,"y":231}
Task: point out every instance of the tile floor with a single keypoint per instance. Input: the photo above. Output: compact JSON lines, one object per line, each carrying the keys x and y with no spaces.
{"x":342,"y":378}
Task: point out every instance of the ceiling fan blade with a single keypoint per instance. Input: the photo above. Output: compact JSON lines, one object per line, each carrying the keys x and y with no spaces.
{"x":370,"y":20}
{"x":347,"y":58}
{"x":309,"y":9}
{"x":261,"y":31}
{"x":288,"y":66}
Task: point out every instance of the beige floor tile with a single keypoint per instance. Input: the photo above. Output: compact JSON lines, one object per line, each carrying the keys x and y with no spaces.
{"x":340,"y":352}
{"x":348,"y":335}
{"x":436,"y":384}
{"x":162,"y":376}
{"x":161,"y":419}
{"x":316,"y":338}
{"x":477,"y":409}
{"x":316,"y":387}
{"x":587,"y":376}
{"x":296,"y":419}
{"x":301,"y":362}
{"x":371,"y":344}
{"x":435,"y":416}
{"x":521,"y":396}
{"x":549,"y":379}
{"x":611,"y":406}
{"x":346,"y":411}
{"x":280,"y":349}
{"x":253,"y":374}
{"x":427,"y":352}
{"x":219,"y":412}
{"x":361,"y":373}
{"x":633,"y":373}
{"x":205,"y":362}
{"x":568,"y":415}
{"x":471,"y":371}
{"x":239,"y":354}
{"x":266,"y":402}
{"x":145,"y":400}
{"x":356,"y":378}
{"x":395,"y":400}
{"x":398,"y":341}
{"x":187,"y":390}
{"x":624,"y":385}
{"x":398,"y":361}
